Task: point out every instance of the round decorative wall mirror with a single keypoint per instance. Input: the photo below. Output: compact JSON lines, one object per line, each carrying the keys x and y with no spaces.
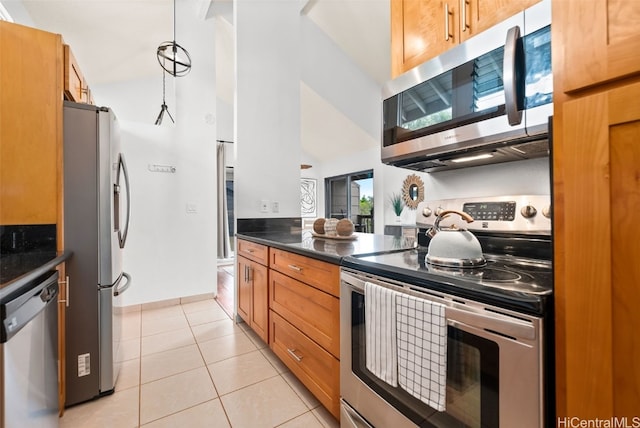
{"x":412,"y":191}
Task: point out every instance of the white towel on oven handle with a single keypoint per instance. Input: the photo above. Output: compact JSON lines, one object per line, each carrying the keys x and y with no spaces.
{"x":380,"y":331}
{"x":422,"y":349}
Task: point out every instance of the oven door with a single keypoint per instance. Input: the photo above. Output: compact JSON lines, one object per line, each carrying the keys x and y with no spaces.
{"x":494,"y":366}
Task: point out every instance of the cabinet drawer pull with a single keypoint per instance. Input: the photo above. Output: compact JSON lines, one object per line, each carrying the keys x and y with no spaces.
{"x":249,"y":250}
{"x":292,"y":352}
{"x":294,"y":267}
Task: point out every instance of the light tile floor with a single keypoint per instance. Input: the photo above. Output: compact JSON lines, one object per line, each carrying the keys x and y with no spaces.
{"x":190,"y":365}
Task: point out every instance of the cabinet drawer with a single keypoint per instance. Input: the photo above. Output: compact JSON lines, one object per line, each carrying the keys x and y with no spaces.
{"x":315,"y":313}
{"x":318,"y":370}
{"x":322,"y":275}
{"x":256,"y":252}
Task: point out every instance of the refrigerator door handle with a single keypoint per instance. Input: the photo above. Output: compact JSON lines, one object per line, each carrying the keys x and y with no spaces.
{"x":122,"y":167}
{"x":117,"y":289}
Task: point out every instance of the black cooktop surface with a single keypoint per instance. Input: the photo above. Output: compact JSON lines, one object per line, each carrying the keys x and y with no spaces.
{"x":512,"y":282}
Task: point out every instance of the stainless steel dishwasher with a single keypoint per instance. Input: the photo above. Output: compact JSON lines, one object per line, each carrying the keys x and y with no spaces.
{"x":29,"y":355}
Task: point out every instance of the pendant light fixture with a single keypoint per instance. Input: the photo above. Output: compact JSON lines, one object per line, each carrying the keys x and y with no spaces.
{"x":175,"y":60}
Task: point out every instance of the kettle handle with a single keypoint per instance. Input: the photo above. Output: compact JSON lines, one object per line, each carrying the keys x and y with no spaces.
{"x":466,"y":217}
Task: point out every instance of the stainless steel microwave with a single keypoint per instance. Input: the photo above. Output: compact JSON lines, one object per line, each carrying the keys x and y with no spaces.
{"x":486,"y":100}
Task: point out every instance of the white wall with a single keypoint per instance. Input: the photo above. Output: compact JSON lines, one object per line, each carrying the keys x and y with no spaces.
{"x":341,"y":103}
{"x":511,"y":178}
{"x":267,"y":107}
{"x":327,"y":70}
{"x":171,"y":253}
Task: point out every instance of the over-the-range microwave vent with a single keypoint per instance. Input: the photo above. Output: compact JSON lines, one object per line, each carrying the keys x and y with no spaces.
{"x":537,"y":148}
{"x":505,"y":151}
{"x":486,"y":100}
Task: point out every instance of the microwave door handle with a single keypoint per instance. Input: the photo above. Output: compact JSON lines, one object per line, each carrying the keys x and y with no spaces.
{"x":510,"y":73}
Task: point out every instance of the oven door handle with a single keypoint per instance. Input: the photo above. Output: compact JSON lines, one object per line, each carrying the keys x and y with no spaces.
{"x":351,"y":418}
{"x":495,"y":322}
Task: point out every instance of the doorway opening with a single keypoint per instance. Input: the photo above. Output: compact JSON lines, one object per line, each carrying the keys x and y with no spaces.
{"x":229,"y":217}
{"x":225,"y":282}
{"x":351,"y":196}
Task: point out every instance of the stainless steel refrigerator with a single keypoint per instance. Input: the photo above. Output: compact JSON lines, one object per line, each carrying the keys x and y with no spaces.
{"x":96,"y":221}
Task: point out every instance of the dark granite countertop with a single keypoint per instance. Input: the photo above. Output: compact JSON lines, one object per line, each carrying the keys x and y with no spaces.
{"x":327,"y":249}
{"x":21,"y":268}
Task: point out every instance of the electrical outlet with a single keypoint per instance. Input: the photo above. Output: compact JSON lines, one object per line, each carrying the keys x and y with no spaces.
{"x":275,"y":207}
{"x":264,"y":206}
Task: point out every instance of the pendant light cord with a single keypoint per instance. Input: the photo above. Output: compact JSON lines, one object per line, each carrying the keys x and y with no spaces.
{"x":175,"y":48}
{"x":164,"y":75}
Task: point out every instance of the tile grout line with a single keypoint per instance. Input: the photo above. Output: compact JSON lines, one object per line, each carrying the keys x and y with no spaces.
{"x":140,"y":374}
{"x":226,"y":415}
{"x":258,"y":347}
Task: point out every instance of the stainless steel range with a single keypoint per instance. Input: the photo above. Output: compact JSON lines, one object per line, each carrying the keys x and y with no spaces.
{"x":497,"y":318}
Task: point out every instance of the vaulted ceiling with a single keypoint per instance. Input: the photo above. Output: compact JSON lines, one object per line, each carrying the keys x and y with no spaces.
{"x":116,"y":40}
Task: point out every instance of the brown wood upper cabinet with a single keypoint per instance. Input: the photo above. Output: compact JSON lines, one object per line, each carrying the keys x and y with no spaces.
{"x":76,"y":87}
{"x":423,"y":29}
{"x":599,"y":41}
{"x":31,"y":130}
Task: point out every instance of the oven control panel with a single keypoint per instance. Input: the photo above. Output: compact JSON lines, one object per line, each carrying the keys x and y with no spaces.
{"x":496,"y":211}
{"x":519,"y":213}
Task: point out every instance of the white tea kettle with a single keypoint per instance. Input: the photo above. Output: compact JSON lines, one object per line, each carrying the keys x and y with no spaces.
{"x":453,"y":247}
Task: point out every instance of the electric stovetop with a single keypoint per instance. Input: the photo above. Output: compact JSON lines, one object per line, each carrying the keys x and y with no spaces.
{"x":514,"y":283}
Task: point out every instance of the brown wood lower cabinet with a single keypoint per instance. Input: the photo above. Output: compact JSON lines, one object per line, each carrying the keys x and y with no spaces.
{"x":253,"y":303}
{"x":291,"y":301}
{"x":312,"y":311}
{"x":304,"y":312}
{"x":316,"y":368}
{"x":596,"y":291}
